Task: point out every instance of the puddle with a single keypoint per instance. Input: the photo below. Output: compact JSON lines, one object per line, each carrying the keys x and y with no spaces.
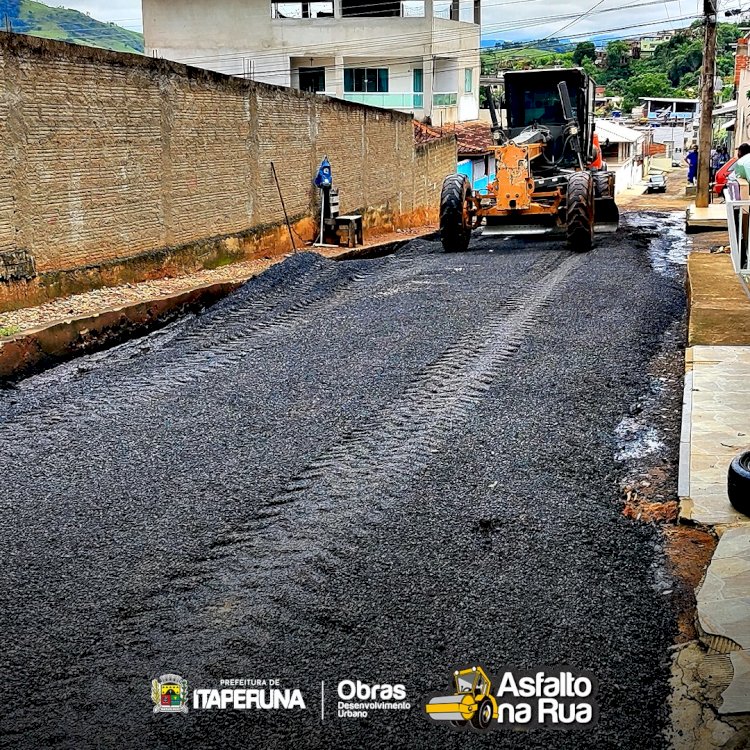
{"x":668,"y":244}
{"x":636,"y":440}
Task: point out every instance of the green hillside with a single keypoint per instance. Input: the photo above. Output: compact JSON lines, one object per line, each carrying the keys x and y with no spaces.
{"x":672,"y":71}
{"x":37,"y":19}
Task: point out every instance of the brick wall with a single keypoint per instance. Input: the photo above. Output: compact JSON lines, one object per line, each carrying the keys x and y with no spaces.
{"x":107,"y":157}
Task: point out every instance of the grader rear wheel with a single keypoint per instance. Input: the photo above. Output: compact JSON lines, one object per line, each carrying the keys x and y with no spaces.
{"x":455,"y":226}
{"x":602,"y":187}
{"x":580,"y":212}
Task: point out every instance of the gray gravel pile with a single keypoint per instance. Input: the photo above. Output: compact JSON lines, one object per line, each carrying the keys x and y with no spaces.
{"x":375,"y":470}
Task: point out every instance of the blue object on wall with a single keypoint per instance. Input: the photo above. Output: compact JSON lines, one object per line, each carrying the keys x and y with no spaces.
{"x":324,"y":178}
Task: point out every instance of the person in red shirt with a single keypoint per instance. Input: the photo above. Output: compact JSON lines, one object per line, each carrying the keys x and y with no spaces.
{"x":598,"y":161}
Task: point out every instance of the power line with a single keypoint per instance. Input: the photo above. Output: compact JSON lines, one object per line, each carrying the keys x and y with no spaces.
{"x":517,"y":54}
{"x":419,"y":37}
{"x":407,"y":58}
{"x":580,"y":18}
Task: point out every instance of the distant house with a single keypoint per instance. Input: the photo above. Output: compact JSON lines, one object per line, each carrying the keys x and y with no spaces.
{"x":742,"y":84}
{"x":665,"y":109}
{"x":650,"y":43}
{"x":476,"y":155}
{"x":474,"y":147}
{"x":725,"y":122}
{"x":622,"y":150}
{"x":417,"y":56}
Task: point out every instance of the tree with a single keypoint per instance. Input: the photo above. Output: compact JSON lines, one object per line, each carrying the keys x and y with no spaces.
{"x":617,"y":62}
{"x":618,"y":53}
{"x":646,"y":84}
{"x":588,"y":65}
{"x":689,"y":59}
{"x":616,"y":87}
{"x":584,"y":51}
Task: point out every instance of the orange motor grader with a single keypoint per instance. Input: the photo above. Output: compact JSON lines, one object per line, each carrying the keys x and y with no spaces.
{"x":549,"y":174}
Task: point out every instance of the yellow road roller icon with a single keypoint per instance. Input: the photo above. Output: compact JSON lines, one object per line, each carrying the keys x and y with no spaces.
{"x":471,"y":704}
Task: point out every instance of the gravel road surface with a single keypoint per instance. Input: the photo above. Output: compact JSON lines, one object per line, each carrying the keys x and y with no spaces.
{"x":375,"y":470}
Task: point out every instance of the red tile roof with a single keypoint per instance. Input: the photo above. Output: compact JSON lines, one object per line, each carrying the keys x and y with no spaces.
{"x":425,"y":133}
{"x":473,"y":137}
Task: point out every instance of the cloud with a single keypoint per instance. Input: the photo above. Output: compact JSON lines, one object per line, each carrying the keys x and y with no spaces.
{"x":536,"y":19}
{"x":126,"y":13}
{"x":507,"y":19}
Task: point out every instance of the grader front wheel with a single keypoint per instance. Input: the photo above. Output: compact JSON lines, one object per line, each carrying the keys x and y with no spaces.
{"x":455,"y":223}
{"x":580,"y":212}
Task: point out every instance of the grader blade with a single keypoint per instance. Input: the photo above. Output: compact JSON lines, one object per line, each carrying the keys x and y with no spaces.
{"x":606,"y":216}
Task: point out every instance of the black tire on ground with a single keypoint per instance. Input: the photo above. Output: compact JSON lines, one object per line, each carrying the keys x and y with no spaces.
{"x":580,"y":212}
{"x":454,"y":233}
{"x":483,"y":716}
{"x":739,"y":483}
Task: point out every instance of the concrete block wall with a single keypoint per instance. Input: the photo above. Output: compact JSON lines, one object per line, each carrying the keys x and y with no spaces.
{"x":109,"y":159}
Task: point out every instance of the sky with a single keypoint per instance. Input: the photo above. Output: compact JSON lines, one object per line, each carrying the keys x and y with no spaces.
{"x":514,"y":20}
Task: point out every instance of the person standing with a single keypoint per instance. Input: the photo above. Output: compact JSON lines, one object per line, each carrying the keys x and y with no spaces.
{"x":715,"y":164}
{"x":692,"y":161}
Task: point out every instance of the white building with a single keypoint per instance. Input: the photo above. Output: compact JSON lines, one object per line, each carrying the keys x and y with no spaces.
{"x":742,"y":83}
{"x":622,"y":149}
{"x":666,"y":109}
{"x":419,"y":56}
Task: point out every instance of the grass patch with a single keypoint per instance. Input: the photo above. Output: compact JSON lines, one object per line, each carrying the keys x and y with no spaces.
{"x":6,"y":331}
{"x":63,"y":24}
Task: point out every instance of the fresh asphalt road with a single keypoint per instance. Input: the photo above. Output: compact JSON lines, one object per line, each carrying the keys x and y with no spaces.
{"x":375,"y":470}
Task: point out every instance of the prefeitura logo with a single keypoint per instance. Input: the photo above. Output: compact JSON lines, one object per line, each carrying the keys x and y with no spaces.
{"x":556,"y":698}
{"x":169,"y":694}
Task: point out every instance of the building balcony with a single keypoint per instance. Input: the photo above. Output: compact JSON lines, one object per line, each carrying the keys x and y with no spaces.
{"x":407,"y":100}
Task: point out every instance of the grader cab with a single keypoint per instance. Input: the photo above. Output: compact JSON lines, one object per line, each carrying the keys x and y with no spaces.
{"x":550,"y":176}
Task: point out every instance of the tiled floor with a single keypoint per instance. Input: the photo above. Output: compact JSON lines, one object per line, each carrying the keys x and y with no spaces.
{"x":724,"y":610}
{"x":717,"y":427}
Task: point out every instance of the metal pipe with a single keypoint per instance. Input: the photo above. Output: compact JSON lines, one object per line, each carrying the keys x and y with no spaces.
{"x":283,"y":208}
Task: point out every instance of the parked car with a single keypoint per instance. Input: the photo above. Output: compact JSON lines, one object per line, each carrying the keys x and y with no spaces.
{"x":720,"y":181}
{"x":657,"y":183}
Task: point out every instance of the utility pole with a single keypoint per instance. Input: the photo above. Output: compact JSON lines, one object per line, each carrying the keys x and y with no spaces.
{"x":707,"y":105}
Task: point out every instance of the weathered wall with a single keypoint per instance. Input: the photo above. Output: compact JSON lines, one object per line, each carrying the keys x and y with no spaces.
{"x":119,"y":167}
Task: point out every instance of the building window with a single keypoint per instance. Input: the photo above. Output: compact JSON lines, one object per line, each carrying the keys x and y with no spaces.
{"x":382,"y":8}
{"x":312,"y":79}
{"x":302,"y":10}
{"x":418,"y":78}
{"x":366,"y":79}
{"x":418,"y":81}
{"x":371,"y":8}
{"x":441,"y":9}
{"x":468,"y":81}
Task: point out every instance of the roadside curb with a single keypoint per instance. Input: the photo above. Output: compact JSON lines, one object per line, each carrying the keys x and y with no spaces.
{"x":716,"y":374}
{"x":37,"y":349}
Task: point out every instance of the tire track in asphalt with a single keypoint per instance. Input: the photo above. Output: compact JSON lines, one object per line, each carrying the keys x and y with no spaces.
{"x":235,"y":330}
{"x":301,"y":532}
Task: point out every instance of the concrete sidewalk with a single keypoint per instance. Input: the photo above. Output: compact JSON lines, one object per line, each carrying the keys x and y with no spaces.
{"x":716,"y":426}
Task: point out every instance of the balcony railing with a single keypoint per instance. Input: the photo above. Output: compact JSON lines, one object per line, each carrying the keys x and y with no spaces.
{"x":445,"y":99}
{"x":393,"y":100}
{"x":738,"y":221}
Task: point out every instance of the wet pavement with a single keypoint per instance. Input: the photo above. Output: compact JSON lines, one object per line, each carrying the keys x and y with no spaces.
{"x":373,"y":470}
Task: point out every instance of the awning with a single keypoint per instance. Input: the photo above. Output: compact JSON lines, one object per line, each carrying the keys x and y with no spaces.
{"x":730,"y":108}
